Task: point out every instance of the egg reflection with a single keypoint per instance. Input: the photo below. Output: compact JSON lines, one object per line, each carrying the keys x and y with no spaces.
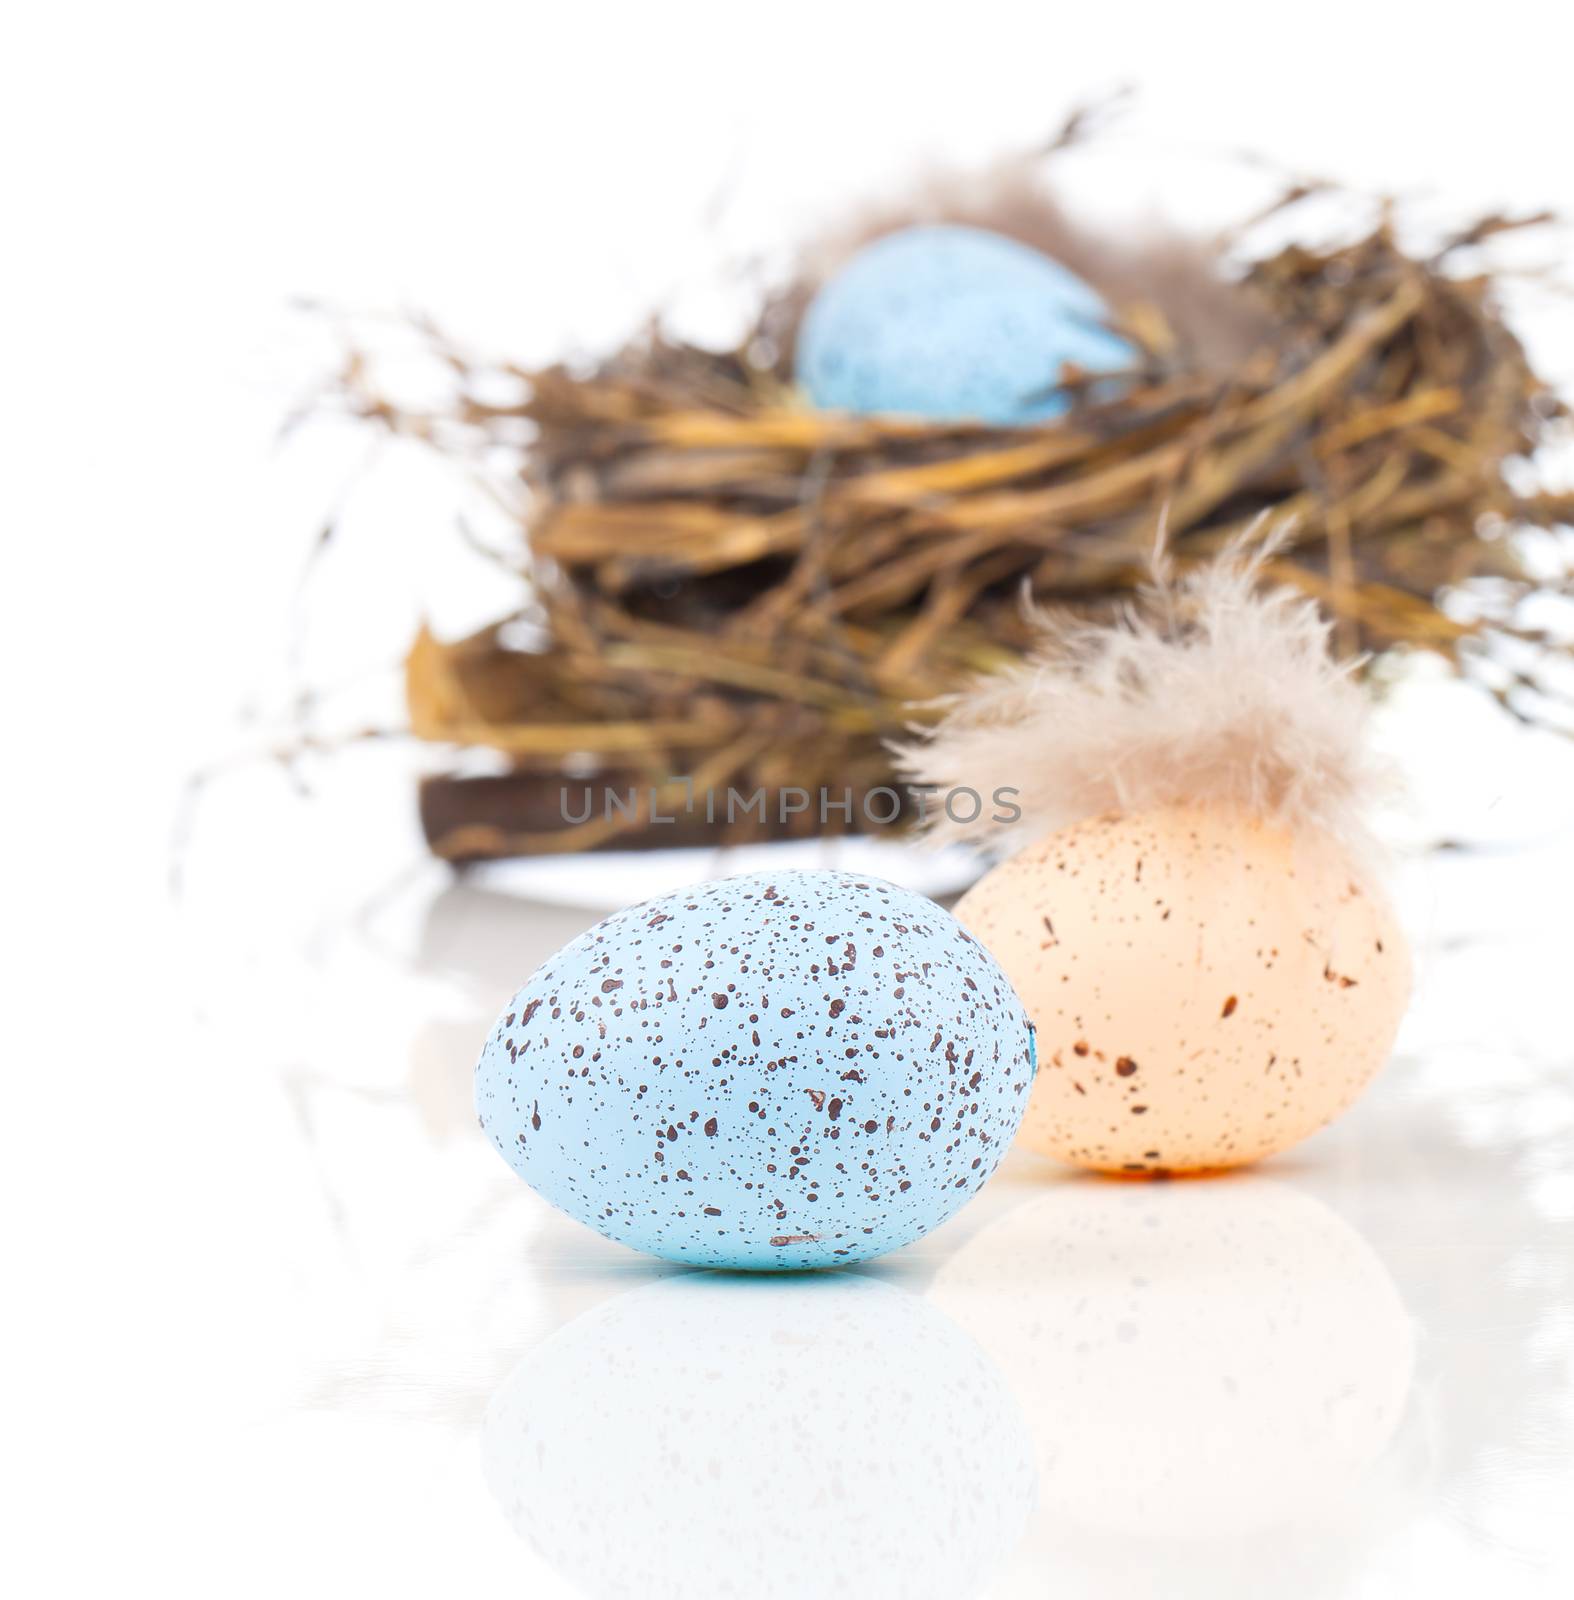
{"x":1196,"y":1360}
{"x":711,"y":1434}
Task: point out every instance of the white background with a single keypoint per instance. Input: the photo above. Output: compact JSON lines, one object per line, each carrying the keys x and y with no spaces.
{"x":186,"y":1284}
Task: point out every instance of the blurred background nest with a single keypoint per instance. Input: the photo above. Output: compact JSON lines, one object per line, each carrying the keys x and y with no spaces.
{"x":721,"y":586}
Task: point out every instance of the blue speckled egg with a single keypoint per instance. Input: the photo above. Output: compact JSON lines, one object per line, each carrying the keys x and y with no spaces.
{"x":953,"y":324}
{"x":778,"y":1071}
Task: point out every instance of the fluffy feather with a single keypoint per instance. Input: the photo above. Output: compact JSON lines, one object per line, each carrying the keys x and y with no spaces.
{"x":1213,"y":690}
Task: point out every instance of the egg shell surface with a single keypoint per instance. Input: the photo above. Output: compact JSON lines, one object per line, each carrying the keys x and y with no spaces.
{"x":953,"y":324}
{"x":1207,"y":989}
{"x":776,"y":1071}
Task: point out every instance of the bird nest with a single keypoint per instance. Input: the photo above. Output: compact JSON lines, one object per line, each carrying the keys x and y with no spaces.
{"x":725,"y":590}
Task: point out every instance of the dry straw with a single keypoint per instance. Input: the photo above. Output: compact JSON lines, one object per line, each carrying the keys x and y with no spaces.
{"x":728,"y":585}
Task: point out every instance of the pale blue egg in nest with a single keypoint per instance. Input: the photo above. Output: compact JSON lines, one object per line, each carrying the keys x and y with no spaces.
{"x":777,"y":1071}
{"x":953,"y":324}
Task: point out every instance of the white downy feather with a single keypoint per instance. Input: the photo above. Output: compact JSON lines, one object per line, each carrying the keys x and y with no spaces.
{"x":1212,"y":690}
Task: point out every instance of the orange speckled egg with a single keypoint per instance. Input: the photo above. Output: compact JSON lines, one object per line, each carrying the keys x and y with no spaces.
{"x":1207,"y":989}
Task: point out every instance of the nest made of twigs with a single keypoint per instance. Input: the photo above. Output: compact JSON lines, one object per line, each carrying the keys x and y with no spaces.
{"x":727,"y":585}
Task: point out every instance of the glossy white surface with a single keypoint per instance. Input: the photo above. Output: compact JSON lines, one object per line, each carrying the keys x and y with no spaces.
{"x":332,"y":1331}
